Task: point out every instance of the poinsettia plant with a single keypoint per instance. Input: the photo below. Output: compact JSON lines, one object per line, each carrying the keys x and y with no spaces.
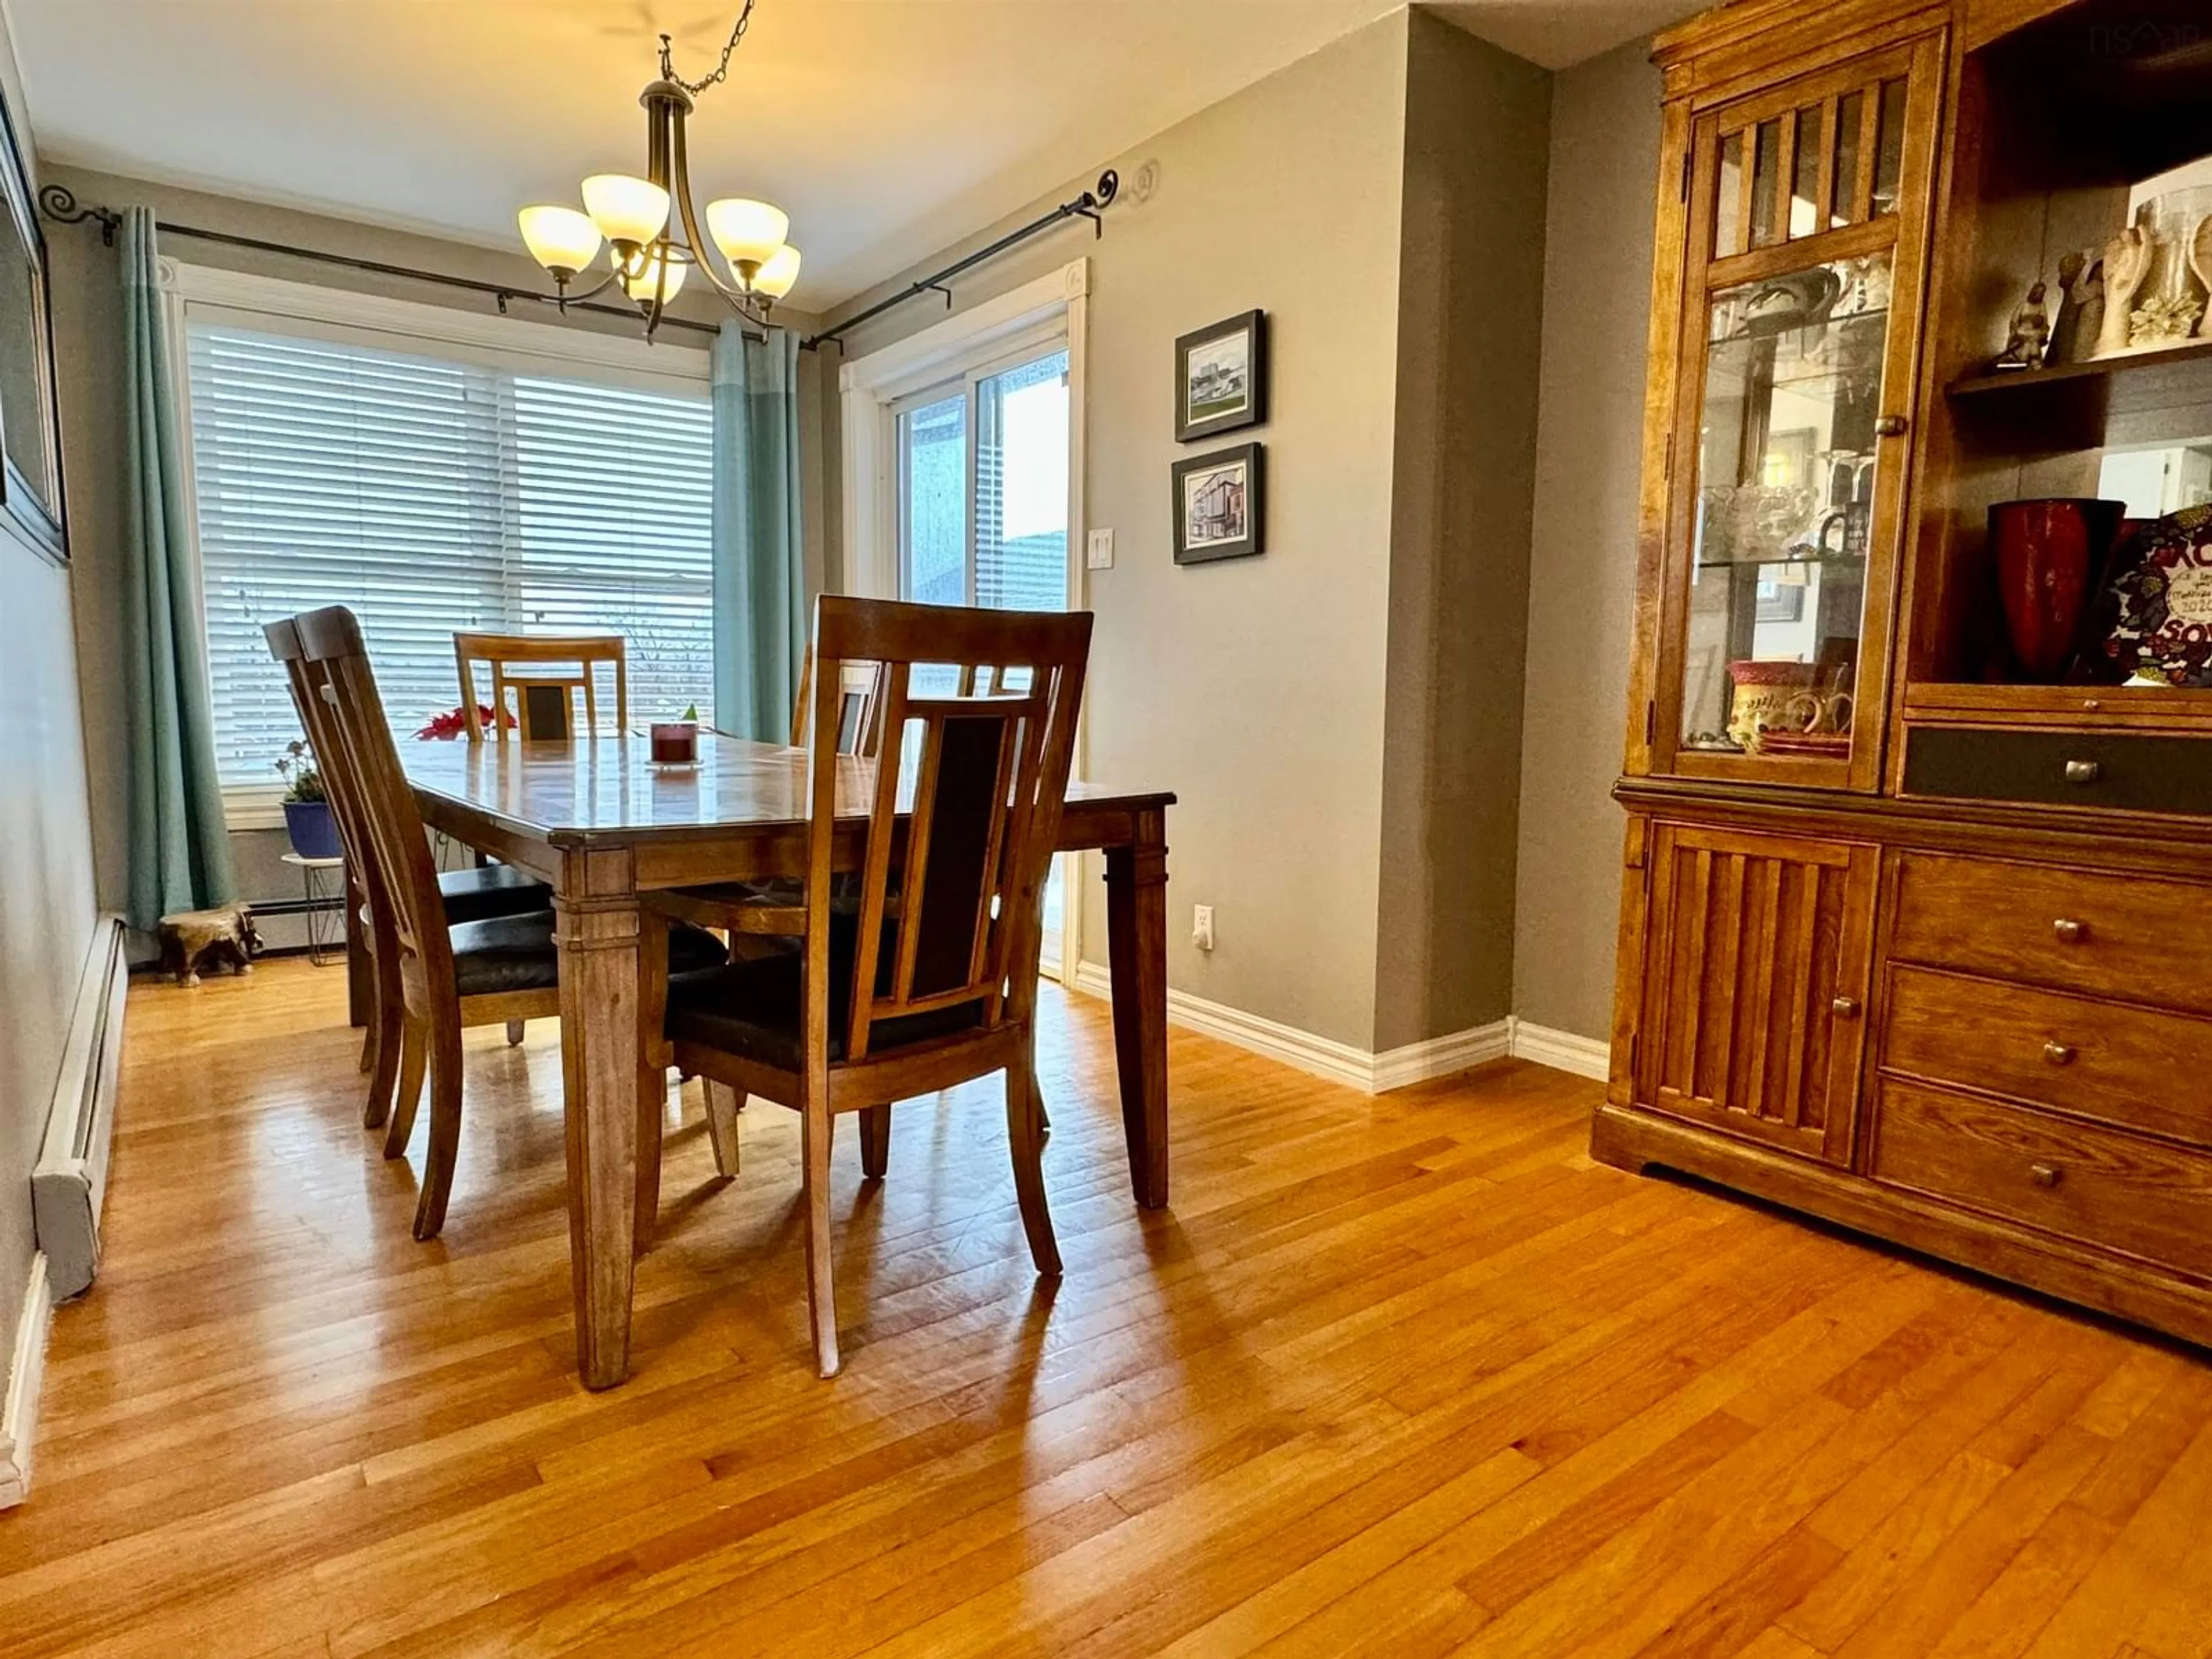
{"x":455,"y":720}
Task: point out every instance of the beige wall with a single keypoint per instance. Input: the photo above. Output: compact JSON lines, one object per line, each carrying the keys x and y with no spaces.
{"x":87,"y":330}
{"x":1254,"y":688}
{"x":1470,"y":290}
{"x":45,"y":868}
{"x":1597,"y":282}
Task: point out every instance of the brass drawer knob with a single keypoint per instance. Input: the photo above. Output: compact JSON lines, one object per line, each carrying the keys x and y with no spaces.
{"x":2058,"y":1054}
{"x":1844,"y":1008}
{"x":1891,"y":426}
{"x":2083,"y":771}
{"x":2043,"y":1174}
{"x":2070,"y":933}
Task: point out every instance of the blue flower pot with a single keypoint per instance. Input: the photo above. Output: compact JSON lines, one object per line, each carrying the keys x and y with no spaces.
{"x":315,"y":833}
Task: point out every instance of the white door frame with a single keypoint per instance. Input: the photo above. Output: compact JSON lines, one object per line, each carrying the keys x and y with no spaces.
{"x":945,"y":351}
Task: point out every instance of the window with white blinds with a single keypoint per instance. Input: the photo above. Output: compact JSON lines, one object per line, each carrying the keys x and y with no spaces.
{"x":431,"y":495}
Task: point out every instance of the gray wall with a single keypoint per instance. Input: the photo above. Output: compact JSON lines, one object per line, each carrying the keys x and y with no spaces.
{"x":89,"y":348}
{"x":45,"y":867}
{"x":1255,"y":688}
{"x":1470,"y":289}
{"x":1597,"y":298}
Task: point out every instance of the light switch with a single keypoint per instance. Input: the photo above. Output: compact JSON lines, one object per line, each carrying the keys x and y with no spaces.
{"x":1099,"y":551}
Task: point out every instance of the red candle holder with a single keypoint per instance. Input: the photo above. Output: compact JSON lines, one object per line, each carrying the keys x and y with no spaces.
{"x":675,"y":743}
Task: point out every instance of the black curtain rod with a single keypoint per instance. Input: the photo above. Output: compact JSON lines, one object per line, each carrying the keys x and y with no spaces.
{"x":1085,"y":206}
{"x":60,"y":203}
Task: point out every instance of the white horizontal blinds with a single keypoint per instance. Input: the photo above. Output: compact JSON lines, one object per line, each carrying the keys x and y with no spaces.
{"x":431,"y":495}
{"x":613,"y":530}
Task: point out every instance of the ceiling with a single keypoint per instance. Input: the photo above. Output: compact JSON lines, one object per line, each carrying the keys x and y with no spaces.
{"x":888,"y":128}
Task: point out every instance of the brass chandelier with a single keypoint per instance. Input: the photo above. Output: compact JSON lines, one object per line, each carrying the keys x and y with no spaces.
{"x":651,"y":229}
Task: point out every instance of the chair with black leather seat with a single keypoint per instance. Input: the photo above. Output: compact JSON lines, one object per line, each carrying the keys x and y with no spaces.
{"x":449,"y":975}
{"x":470,"y":895}
{"x":918,"y":981}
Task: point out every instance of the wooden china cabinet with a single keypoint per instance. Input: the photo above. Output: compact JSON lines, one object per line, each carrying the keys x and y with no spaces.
{"x":1906,"y":942}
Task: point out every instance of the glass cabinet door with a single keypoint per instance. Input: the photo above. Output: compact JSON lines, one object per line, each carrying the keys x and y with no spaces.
{"x":1806,"y":225}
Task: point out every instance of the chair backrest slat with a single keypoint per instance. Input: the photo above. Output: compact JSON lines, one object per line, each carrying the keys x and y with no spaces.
{"x":305,"y":679}
{"x":989,"y":772}
{"x":385,"y":805}
{"x":857,"y":706}
{"x":543,"y":706}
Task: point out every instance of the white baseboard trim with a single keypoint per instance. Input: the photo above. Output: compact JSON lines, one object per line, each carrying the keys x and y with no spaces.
{"x":1340,"y":1062}
{"x":19,"y":1412}
{"x":1563,"y":1051}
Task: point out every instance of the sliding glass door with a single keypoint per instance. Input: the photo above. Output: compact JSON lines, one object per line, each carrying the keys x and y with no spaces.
{"x":982,"y":505}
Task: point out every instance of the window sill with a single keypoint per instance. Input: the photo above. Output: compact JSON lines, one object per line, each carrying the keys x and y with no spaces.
{"x":252,"y":806}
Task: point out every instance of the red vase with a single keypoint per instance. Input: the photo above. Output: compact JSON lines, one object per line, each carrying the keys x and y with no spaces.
{"x":2049,"y":557}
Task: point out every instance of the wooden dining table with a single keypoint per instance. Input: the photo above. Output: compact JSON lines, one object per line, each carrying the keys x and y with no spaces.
{"x":603,"y":825}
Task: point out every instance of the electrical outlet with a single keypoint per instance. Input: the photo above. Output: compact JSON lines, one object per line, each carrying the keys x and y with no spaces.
{"x":1098,"y":551}
{"x":1201,"y":925}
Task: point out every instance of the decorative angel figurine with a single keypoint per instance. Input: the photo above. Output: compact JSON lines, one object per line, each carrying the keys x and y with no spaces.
{"x":2127,"y":263}
{"x":2081,"y":310}
{"x":2031,"y":331}
{"x":2200,"y":261}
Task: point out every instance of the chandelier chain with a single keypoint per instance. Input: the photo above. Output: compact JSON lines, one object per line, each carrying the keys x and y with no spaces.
{"x":721,"y":70}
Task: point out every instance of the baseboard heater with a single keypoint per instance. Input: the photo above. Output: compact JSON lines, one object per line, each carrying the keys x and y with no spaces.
{"x":71,"y":1176}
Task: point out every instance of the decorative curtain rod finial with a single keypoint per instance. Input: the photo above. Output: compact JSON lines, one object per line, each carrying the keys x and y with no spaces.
{"x":59,"y":204}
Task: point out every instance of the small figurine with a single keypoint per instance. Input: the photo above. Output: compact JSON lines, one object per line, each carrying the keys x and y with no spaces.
{"x":2031,"y":332}
{"x":2081,"y":310}
{"x":2127,"y":265}
{"x":2200,"y":261}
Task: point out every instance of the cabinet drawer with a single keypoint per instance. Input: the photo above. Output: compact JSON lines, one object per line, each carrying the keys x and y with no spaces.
{"x":2139,"y":1069}
{"x":2095,"y":1186}
{"x":2061,"y":768}
{"x":2132,"y":936}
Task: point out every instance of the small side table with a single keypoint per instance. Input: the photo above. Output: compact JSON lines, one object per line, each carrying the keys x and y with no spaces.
{"x":323,"y":882}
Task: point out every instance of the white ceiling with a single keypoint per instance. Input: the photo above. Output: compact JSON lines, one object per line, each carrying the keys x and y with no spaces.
{"x":888,"y":128}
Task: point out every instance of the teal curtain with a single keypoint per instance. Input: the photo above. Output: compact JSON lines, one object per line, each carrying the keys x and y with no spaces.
{"x":760,"y":577}
{"x":179,"y":848}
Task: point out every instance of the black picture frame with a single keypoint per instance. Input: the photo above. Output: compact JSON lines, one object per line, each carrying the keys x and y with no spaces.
{"x":1231,"y":524}
{"x":1209,"y":412}
{"x":31,"y":485}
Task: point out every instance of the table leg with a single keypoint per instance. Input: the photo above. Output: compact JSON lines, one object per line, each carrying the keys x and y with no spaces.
{"x":596,"y":931}
{"x":1136,"y":958}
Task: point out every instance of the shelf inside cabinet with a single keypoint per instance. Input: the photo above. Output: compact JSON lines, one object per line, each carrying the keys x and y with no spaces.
{"x":1834,"y":564}
{"x":2081,"y":707}
{"x":2165,"y":378}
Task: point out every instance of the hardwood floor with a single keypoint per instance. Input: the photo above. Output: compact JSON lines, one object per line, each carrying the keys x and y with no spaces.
{"x":1404,"y":1376}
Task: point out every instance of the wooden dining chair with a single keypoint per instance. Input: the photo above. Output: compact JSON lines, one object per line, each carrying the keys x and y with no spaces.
{"x":930,"y":978}
{"x":554,"y":671}
{"x":448,"y":975}
{"x":467,"y":895}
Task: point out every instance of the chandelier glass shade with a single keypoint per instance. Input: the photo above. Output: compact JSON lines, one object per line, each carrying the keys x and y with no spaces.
{"x":649,"y":227}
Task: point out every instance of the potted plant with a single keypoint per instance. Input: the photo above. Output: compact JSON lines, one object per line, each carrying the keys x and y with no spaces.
{"x":307,"y":803}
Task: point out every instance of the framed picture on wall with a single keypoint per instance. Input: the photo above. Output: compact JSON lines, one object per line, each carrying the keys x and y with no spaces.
{"x":30,"y":433}
{"x":1221,"y":377}
{"x":1219,"y":505}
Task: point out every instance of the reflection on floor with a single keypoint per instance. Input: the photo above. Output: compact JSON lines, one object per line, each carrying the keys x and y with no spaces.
{"x":1399,"y":1376}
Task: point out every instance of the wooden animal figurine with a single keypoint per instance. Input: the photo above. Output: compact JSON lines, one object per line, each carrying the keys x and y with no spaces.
{"x":2081,"y":310}
{"x":222,"y":936}
{"x":2127,"y":259}
{"x":2031,"y":331}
